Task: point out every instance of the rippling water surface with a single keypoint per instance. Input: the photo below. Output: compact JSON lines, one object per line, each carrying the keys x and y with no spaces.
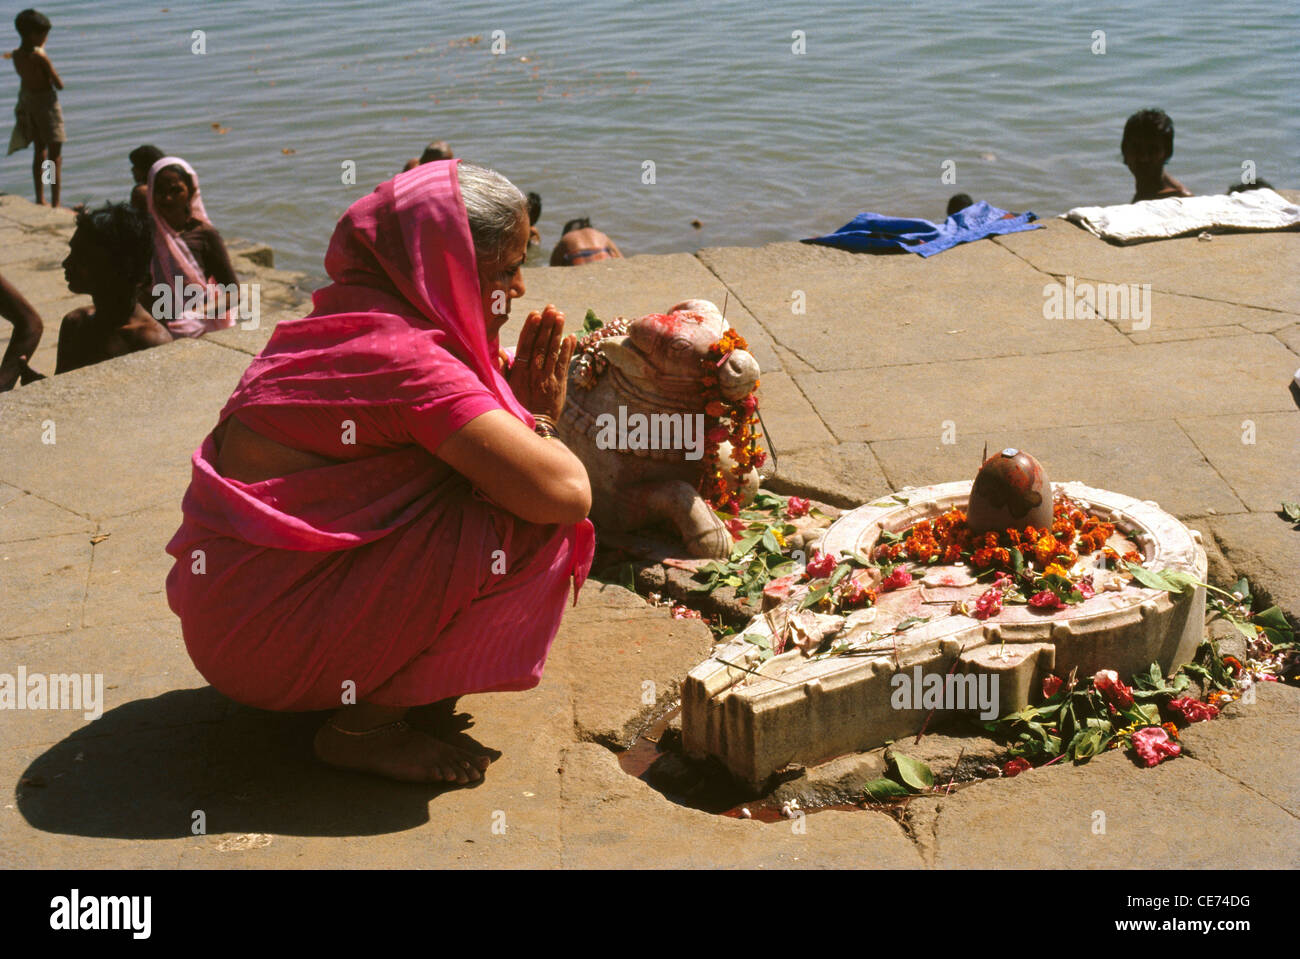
{"x":757,"y":142}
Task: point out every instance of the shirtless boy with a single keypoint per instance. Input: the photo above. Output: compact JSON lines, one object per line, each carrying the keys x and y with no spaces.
{"x":40,"y":119}
{"x":1147,"y":145}
{"x":108,"y":258}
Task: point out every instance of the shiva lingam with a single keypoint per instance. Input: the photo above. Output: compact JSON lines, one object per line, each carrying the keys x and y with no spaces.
{"x":1008,"y":577}
{"x":662,"y":412}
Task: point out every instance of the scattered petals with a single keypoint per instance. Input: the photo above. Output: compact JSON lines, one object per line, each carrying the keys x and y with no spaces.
{"x":1191,"y":710}
{"x":1046,"y":600}
{"x":1117,"y":694}
{"x":988,"y":604}
{"x":1015,"y":767}
{"x":896,"y":580}
{"x":820,"y":566}
{"x":795,"y":506}
{"x":1153,"y":745}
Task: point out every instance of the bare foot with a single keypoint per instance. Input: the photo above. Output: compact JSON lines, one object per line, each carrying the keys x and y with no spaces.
{"x":396,"y":751}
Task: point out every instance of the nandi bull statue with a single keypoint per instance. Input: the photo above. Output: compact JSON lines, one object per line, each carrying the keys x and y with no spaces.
{"x":661,"y":411}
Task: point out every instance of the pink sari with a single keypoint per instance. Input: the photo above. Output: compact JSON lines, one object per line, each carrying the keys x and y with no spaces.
{"x":388,"y":570}
{"x":174,"y":261}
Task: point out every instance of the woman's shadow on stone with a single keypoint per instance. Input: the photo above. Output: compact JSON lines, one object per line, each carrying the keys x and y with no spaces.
{"x":158,"y":768}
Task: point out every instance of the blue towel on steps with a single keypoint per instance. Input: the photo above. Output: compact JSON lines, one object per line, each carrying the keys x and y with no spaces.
{"x":875,"y":231}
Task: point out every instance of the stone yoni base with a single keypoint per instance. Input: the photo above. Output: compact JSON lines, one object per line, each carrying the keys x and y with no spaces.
{"x":795,"y":710}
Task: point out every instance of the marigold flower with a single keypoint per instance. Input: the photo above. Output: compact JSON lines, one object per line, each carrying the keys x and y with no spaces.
{"x":1153,"y":745}
{"x":1171,"y":729}
{"x":1233,"y":663}
{"x":714,"y":409}
{"x":1056,"y":569}
{"x":854,"y":592}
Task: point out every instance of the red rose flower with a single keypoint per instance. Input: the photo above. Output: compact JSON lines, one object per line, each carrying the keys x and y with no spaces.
{"x":820,"y":566}
{"x":736,"y":528}
{"x":1086,"y":588}
{"x":1153,"y":745}
{"x":896,"y":580}
{"x":1116,"y":693}
{"x":1046,"y":600}
{"x":1191,"y":710}
{"x":795,"y":506}
{"x":716,"y":435}
{"x":681,"y":612}
{"x":1051,"y":683}
{"x":1015,"y":767}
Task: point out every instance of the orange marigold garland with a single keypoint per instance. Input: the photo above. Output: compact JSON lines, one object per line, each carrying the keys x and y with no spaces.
{"x":947,"y":539}
{"x":733,"y":421}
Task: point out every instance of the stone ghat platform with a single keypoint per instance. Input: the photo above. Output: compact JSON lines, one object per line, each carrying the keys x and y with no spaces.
{"x":893,"y":356}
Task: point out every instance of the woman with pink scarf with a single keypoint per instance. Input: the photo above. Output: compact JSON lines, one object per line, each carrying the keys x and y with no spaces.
{"x":381,"y":519}
{"x":190,"y":260}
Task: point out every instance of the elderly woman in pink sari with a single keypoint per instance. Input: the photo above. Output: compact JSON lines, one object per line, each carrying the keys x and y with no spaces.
{"x":381,"y":519}
{"x":195,"y":290}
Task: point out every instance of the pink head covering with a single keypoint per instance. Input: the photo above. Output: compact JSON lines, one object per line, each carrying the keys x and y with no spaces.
{"x":403,"y":319}
{"x":172,"y":258}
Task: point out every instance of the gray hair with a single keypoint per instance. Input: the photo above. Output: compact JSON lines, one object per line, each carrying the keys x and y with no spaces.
{"x":495,"y":207}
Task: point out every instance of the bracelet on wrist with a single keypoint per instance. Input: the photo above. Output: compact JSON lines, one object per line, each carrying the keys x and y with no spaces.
{"x":545,"y":426}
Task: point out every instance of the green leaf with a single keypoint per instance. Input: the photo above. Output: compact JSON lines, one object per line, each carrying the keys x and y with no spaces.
{"x":590,"y":324}
{"x":1017,"y":561}
{"x":841,"y":571}
{"x":1291,"y":511}
{"x":909,"y":622}
{"x":744,"y":546}
{"x":885,"y":789}
{"x":1171,"y":580}
{"x":814,"y":597}
{"x":769,"y":541}
{"x":1271,"y":618}
{"x":912,"y":772}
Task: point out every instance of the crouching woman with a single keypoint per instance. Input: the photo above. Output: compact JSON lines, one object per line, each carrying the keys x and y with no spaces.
{"x":381,"y":519}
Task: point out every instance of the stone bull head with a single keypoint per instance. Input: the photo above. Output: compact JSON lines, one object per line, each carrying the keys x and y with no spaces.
{"x":663,"y":353}
{"x":656,"y":372}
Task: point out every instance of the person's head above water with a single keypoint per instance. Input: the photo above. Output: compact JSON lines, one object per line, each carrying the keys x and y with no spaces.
{"x":581,"y":223}
{"x":1148,"y":140}
{"x":534,"y":208}
{"x":32,"y":26}
{"x":1254,"y":185}
{"x":437,"y":150}
{"x":109,"y":253}
{"x":958,"y":202}
{"x":142,"y":158}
